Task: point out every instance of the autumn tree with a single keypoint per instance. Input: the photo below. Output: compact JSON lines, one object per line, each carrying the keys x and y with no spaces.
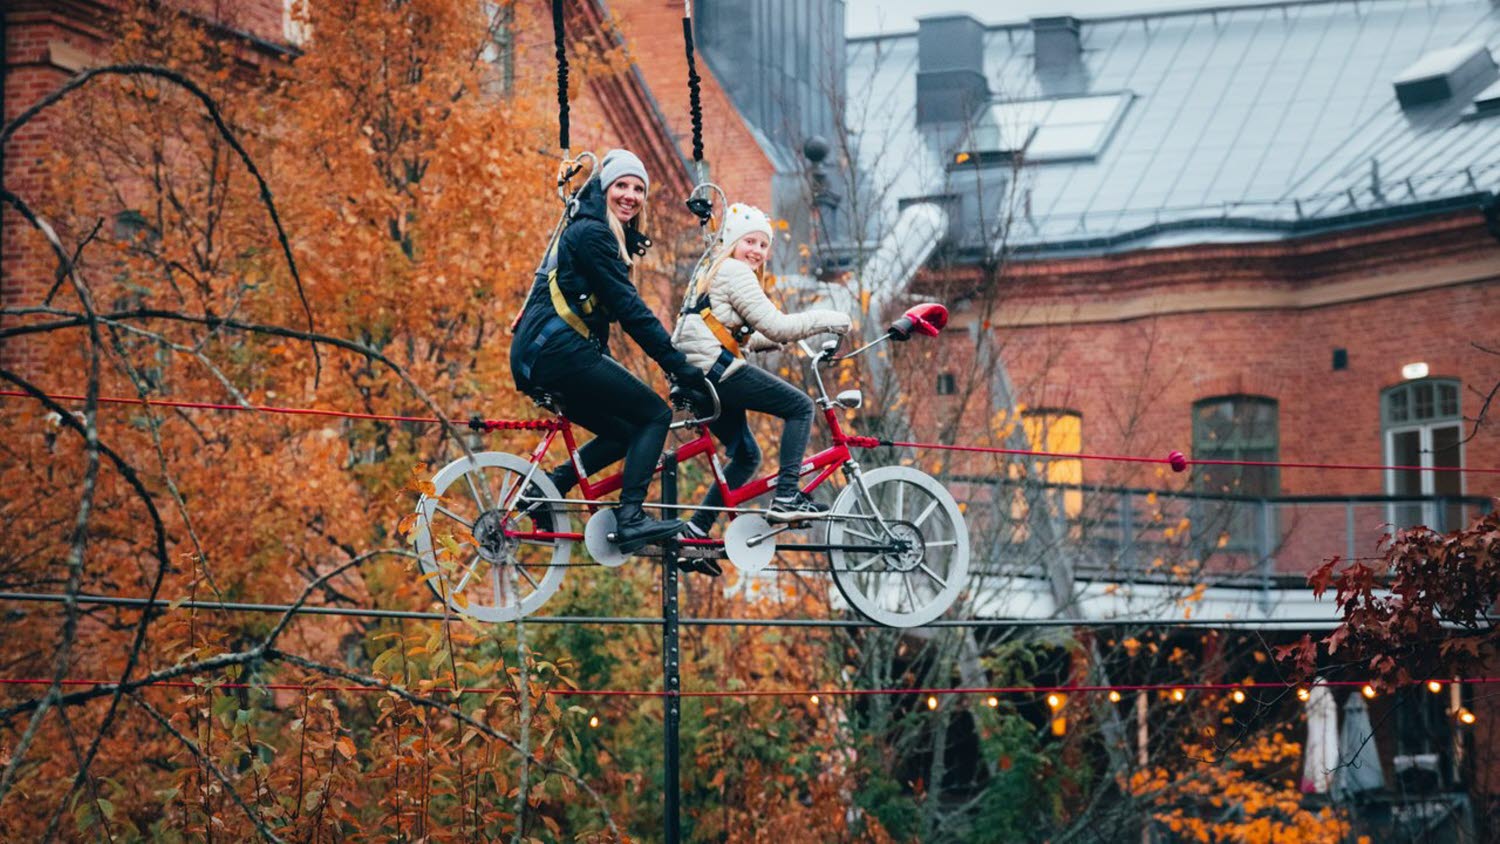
{"x":346,"y":227}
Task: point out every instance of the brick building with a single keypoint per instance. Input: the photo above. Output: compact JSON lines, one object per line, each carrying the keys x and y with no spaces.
{"x":1262,"y":233}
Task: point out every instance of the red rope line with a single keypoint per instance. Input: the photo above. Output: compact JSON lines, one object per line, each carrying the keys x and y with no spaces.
{"x":761,"y":693}
{"x":1177,"y":461}
{"x":871,"y":442}
{"x":258,"y":408}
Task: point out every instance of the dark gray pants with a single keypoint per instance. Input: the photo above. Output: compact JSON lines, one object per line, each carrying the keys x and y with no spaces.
{"x":753,"y":388}
{"x":628,"y":418}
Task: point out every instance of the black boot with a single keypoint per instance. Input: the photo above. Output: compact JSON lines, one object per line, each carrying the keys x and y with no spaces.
{"x":634,"y":529}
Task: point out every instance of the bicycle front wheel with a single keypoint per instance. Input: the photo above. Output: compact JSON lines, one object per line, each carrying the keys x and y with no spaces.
{"x":898,"y":546}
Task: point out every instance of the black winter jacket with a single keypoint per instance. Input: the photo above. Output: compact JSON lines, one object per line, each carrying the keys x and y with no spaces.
{"x":588,"y":261}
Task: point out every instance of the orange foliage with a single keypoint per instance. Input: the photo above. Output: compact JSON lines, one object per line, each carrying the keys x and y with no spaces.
{"x":416,"y":202}
{"x":1247,"y":796}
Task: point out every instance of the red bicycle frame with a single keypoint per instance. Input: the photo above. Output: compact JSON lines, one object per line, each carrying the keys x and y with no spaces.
{"x":825,"y":462}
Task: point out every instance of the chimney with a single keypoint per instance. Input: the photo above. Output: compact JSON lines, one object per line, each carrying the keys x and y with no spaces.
{"x":1057,"y":45}
{"x":1442,"y":75}
{"x":950,"y":69}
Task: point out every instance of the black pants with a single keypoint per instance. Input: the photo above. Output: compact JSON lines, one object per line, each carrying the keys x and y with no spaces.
{"x":753,"y":388}
{"x":627,"y":417}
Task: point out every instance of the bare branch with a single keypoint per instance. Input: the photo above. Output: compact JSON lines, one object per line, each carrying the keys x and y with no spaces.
{"x":192,"y":746}
{"x":213,"y":111}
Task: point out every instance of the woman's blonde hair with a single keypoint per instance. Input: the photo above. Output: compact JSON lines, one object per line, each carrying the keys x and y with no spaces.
{"x":637,"y":222}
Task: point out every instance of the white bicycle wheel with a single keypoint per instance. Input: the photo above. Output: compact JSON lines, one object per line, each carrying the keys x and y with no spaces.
{"x":462,"y":544}
{"x":915,"y":581}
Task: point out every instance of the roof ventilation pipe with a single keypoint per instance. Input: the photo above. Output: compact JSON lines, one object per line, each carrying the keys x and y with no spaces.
{"x":1057,"y":55}
{"x":950,"y":69}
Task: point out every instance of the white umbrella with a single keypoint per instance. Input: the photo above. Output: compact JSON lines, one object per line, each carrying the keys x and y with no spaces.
{"x":1321,"y":752}
{"x":1359,"y":763}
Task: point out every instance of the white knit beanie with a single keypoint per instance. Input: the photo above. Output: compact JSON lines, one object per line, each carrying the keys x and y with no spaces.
{"x":618,"y":163}
{"x":741,"y":220}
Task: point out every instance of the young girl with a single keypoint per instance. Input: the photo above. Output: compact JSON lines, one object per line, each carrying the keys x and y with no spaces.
{"x":730,"y":308}
{"x":561,"y":347}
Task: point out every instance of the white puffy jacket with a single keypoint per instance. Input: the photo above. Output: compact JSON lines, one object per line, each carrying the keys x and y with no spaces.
{"x":736,"y":299}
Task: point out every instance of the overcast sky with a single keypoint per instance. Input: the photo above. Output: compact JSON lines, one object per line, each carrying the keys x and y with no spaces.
{"x":869,"y":17}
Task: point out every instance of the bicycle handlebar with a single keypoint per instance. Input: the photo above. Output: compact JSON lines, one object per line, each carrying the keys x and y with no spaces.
{"x":682,"y":398}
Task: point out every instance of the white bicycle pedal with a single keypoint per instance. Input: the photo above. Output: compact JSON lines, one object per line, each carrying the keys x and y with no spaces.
{"x":597,"y":538}
{"x":749,"y":542}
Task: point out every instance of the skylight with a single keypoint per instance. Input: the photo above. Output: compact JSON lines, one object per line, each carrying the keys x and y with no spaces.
{"x":1062,"y":129}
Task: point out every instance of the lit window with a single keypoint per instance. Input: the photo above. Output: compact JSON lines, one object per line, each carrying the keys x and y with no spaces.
{"x":1044,"y":130}
{"x":1060,"y":479}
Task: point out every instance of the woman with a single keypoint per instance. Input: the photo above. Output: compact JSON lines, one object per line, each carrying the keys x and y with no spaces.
{"x":561,"y":347}
{"x":731,"y":308}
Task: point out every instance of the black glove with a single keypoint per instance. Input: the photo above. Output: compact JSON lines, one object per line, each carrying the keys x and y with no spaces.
{"x":686,"y":375}
{"x":695,"y":397}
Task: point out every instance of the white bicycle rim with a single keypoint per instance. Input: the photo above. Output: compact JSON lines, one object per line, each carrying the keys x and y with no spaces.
{"x":905,"y":589}
{"x":502,"y":579}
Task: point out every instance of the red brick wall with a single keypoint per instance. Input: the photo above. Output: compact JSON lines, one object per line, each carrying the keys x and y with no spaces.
{"x":36,"y":41}
{"x":45,"y":44}
{"x":653,"y":38}
{"x":1135,"y":379}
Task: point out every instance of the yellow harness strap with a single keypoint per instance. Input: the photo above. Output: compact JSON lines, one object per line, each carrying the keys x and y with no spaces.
{"x":721,"y":332}
{"x":560,"y":302}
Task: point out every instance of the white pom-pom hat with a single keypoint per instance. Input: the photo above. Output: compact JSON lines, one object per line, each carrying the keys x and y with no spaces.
{"x":741,"y":220}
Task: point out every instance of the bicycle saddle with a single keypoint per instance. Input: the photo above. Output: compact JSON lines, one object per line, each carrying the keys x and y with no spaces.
{"x":547,"y":402}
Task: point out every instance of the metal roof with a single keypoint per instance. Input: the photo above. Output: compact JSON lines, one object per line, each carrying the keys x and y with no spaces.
{"x":1245,"y":123}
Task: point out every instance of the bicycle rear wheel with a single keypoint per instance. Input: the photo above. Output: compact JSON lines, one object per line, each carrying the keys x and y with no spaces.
{"x":915,"y":581}
{"x":464,"y":544}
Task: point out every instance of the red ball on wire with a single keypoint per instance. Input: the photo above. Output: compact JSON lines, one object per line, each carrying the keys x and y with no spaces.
{"x":1178,"y":461}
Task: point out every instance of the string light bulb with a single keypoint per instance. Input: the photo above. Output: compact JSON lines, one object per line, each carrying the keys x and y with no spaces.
{"x":1434,"y":686}
{"x":1054,"y":700}
{"x":1303,"y":694}
{"x":1238,"y":695}
{"x":1114,"y":696}
{"x":992,"y":701}
{"x":813,"y":700}
{"x":1178,"y":695}
{"x":593,"y":720}
{"x":932,"y":701}
{"x":1368,"y":691}
{"x":1465,"y":716}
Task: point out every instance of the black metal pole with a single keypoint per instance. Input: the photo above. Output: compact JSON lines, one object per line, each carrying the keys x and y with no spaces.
{"x":670,"y":663}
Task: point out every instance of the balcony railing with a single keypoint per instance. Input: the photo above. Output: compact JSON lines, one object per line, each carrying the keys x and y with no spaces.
{"x":1124,"y":534}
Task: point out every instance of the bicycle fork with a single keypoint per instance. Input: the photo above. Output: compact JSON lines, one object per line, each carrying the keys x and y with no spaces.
{"x":856,"y":479}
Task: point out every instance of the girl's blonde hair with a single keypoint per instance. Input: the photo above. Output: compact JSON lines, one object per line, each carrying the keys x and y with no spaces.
{"x":637,"y":222}
{"x":721,"y":253}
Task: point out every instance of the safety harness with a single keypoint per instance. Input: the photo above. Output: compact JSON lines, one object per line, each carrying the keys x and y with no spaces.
{"x":729,"y":341}
{"x":565,"y":313}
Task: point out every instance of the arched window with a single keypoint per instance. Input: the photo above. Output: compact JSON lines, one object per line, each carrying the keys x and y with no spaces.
{"x":1422,"y":426}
